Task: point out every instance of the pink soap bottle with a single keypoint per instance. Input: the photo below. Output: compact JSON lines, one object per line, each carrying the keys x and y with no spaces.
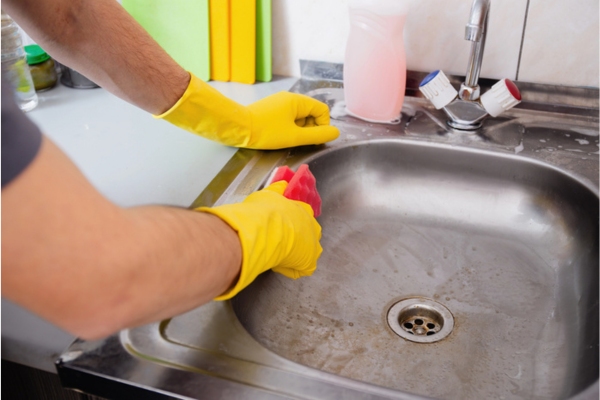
{"x":375,"y":60}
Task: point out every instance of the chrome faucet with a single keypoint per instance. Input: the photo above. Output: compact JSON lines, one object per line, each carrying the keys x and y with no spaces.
{"x":475,"y":31}
{"x":466,"y":109}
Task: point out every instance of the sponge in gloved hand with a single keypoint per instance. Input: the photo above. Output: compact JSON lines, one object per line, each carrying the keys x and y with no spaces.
{"x":275,"y":233}
{"x":278,"y":121}
{"x":302,"y":186}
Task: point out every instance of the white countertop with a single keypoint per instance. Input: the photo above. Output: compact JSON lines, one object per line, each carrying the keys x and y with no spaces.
{"x":131,"y":158}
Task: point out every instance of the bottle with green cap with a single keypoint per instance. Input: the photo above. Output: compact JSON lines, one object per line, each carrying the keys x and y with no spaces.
{"x":42,"y":67}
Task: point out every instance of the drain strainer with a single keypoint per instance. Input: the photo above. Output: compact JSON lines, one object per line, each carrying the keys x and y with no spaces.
{"x":420,"y":320}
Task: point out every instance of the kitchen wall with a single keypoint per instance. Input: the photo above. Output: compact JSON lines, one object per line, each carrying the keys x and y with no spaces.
{"x":545,"y":41}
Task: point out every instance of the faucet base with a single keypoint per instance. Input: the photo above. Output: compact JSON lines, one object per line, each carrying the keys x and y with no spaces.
{"x":465,"y":115}
{"x":464,"y":127}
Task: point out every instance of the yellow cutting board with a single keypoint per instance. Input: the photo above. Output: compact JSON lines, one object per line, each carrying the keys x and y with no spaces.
{"x":243,"y":41}
{"x":220,"y":55}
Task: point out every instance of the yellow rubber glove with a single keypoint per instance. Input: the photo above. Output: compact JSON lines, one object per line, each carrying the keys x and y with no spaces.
{"x":275,"y":233}
{"x":278,"y":121}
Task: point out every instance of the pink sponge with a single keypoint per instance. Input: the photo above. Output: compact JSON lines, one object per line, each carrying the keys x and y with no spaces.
{"x":302,"y":186}
{"x":282,"y":174}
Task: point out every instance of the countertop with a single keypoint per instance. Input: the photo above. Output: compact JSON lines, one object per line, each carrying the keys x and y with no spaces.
{"x":132,"y":159}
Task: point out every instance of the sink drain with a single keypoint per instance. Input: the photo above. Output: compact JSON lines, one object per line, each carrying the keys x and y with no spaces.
{"x":420,"y":320}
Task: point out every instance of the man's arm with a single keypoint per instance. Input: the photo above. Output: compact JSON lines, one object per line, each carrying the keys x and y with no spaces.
{"x":101,"y":40}
{"x":92,"y":268}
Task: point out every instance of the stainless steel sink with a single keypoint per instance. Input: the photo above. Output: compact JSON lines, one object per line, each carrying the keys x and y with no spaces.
{"x":455,"y":266}
{"x":509,"y":246}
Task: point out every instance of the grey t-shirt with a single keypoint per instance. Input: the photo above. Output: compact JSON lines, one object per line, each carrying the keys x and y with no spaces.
{"x":21,"y":138}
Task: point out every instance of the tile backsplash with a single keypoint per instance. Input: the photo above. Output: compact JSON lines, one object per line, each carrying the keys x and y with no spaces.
{"x":543,"y":41}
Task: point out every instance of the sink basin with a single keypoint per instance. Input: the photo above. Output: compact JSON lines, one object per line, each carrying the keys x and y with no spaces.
{"x":455,"y":266}
{"x":508,"y":246}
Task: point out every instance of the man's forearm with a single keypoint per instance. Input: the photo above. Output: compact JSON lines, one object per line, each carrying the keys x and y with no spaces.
{"x":102,"y":41}
{"x":92,"y":268}
{"x":184,"y":259}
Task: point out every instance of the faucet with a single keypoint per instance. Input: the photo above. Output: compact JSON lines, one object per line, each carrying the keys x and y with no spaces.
{"x":475,"y":31}
{"x":466,"y":109}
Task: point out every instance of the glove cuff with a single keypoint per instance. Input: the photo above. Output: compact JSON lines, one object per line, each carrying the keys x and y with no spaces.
{"x":203,"y":110}
{"x":245,"y":276}
{"x":191,"y":86}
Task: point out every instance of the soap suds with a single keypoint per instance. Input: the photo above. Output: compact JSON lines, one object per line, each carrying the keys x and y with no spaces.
{"x":519,"y":148}
{"x":338,"y":110}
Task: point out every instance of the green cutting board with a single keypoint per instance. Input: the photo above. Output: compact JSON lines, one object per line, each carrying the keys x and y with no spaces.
{"x":180,"y":27}
{"x":263,"y":41}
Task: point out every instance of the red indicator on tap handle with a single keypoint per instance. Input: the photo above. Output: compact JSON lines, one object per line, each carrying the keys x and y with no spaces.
{"x":513,"y":89}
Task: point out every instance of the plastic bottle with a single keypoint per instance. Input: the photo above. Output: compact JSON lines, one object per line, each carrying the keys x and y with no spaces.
{"x":375,"y":60}
{"x":14,"y":65}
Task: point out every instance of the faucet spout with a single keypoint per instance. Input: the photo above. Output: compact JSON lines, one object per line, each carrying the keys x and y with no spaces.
{"x":475,"y":31}
{"x":477,"y":19}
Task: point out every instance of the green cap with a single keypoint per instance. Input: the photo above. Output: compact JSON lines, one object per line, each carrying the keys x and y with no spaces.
{"x":35,"y":54}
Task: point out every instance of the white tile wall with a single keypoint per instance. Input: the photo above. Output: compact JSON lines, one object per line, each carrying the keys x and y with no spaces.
{"x":309,"y":30}
{"x":561,"y":43}
{"x":434,"y":37}
{"x":560,"y":35}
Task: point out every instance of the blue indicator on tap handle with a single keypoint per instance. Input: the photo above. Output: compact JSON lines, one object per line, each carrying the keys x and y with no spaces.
{"x":429,"y":78}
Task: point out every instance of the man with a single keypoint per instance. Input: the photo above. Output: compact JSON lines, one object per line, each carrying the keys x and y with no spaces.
{"x":92,"y":268}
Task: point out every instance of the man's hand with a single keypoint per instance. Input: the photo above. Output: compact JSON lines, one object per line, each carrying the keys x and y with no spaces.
{"x":275,"y":122}
{"x":102,"y":41}
{"x":92,"y":268}
{"x":287,"y":120}
{"x":275,"y":233}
